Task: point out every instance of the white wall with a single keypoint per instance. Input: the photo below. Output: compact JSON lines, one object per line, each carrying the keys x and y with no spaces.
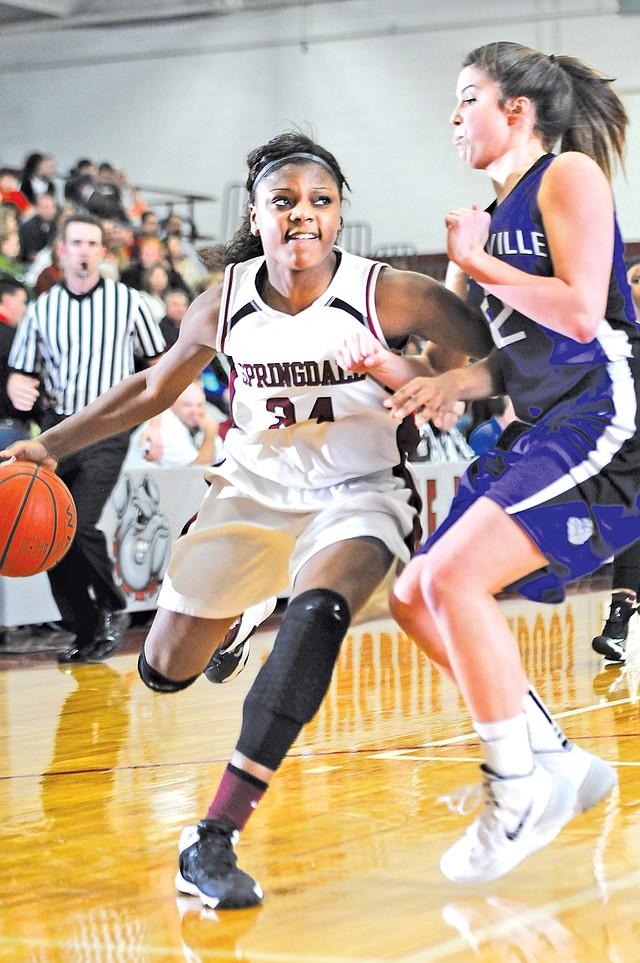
{"x":181,"y":105}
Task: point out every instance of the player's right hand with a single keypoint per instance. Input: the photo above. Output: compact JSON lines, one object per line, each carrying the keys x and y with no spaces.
{"x":361,"y":351}
{"x":30,"y":450}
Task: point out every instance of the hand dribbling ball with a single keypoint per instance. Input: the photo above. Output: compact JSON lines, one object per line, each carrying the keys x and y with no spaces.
{"x":37,"y":519}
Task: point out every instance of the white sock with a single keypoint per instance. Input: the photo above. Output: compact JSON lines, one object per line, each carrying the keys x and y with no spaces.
{"x":544,"y":734}
{"x":505,"y":746}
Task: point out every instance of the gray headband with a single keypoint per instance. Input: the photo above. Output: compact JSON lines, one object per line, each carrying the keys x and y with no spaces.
{"x":299,"y":155}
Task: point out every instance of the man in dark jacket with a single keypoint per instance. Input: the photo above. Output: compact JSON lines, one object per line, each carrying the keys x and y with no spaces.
{"x":38,"y":231}
{"x":14,"y":424}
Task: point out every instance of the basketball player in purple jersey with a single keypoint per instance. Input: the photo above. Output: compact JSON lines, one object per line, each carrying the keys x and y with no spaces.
{"x":558,"y":495}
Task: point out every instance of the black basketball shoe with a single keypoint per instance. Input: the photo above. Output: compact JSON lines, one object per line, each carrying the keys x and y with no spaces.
{"x":230,"y":658}
{"x":208,"y":867}
{"x":612,"y":642}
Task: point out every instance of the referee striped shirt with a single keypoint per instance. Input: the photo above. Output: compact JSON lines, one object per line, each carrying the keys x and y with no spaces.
{"x":83,"y":344}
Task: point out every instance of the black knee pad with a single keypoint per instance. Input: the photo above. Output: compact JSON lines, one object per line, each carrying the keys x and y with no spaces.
{"x":291,"y":685}
{"x":160,"y":683}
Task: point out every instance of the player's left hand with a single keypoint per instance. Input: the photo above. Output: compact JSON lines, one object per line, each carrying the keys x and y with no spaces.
{"x":427,"y":399}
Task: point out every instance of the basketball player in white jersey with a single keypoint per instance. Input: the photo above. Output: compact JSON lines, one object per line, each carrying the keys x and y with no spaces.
{"x":311,"y":494}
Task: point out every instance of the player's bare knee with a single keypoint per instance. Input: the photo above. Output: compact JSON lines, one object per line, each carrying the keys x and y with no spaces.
{"x":439,"y":585}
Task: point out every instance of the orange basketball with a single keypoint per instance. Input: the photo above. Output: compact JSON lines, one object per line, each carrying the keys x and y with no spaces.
{"x":37,"y":519}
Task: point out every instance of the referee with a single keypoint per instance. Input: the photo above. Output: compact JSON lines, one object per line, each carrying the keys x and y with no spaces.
{"x":79,"y":339}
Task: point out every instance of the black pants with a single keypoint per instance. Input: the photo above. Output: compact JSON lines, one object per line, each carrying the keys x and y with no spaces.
{"x":626,"y":569}
{"x":83,"y":581}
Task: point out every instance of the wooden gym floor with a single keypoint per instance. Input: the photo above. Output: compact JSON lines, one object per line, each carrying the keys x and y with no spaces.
{"x":99,"y":775}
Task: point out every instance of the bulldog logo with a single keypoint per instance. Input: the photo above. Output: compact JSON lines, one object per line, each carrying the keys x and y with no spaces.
{"x":142,"y":540}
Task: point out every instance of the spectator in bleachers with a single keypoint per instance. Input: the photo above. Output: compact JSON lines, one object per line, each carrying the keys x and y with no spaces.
{"x":9,"y":220}
{"x":149,"y":225}
{"x":105,"y":200}
{"x":189,"y":269}
{"x":175,"y":225}
{"x":145,"y":253}
{"x":155,"y":283}
{"x":38,"y":231}
{"x":119,"y":242}
{"x":215,"y":377}
{"x":14,"y":424}
{"x":176,"y":302}
{"x":10,"y":193}
{"x":38,"y":176}
{"x":149,"y":228}
{"x":185,"y":434}
{"x":45,"y":257}
{"x":10,"y":262}
{"x":80,"y":181}
{"x":133,"y":203}
{"x":49,"y":275}
{"x":150,"y":252}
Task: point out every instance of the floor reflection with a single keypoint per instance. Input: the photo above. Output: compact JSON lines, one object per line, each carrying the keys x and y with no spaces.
{"x":98,"y":775}
{"x":206,"y":935}
{"x":500,"y":930}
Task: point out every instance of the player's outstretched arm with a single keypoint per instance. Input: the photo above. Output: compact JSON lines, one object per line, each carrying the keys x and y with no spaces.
{"x":410,"y":303}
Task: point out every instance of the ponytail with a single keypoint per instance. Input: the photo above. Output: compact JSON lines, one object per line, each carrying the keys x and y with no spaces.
{"x":599,"y":119}
{"x":576,"y":107}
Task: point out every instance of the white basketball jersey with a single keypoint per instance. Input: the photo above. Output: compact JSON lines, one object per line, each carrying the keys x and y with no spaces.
{"x":300,"y":421}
